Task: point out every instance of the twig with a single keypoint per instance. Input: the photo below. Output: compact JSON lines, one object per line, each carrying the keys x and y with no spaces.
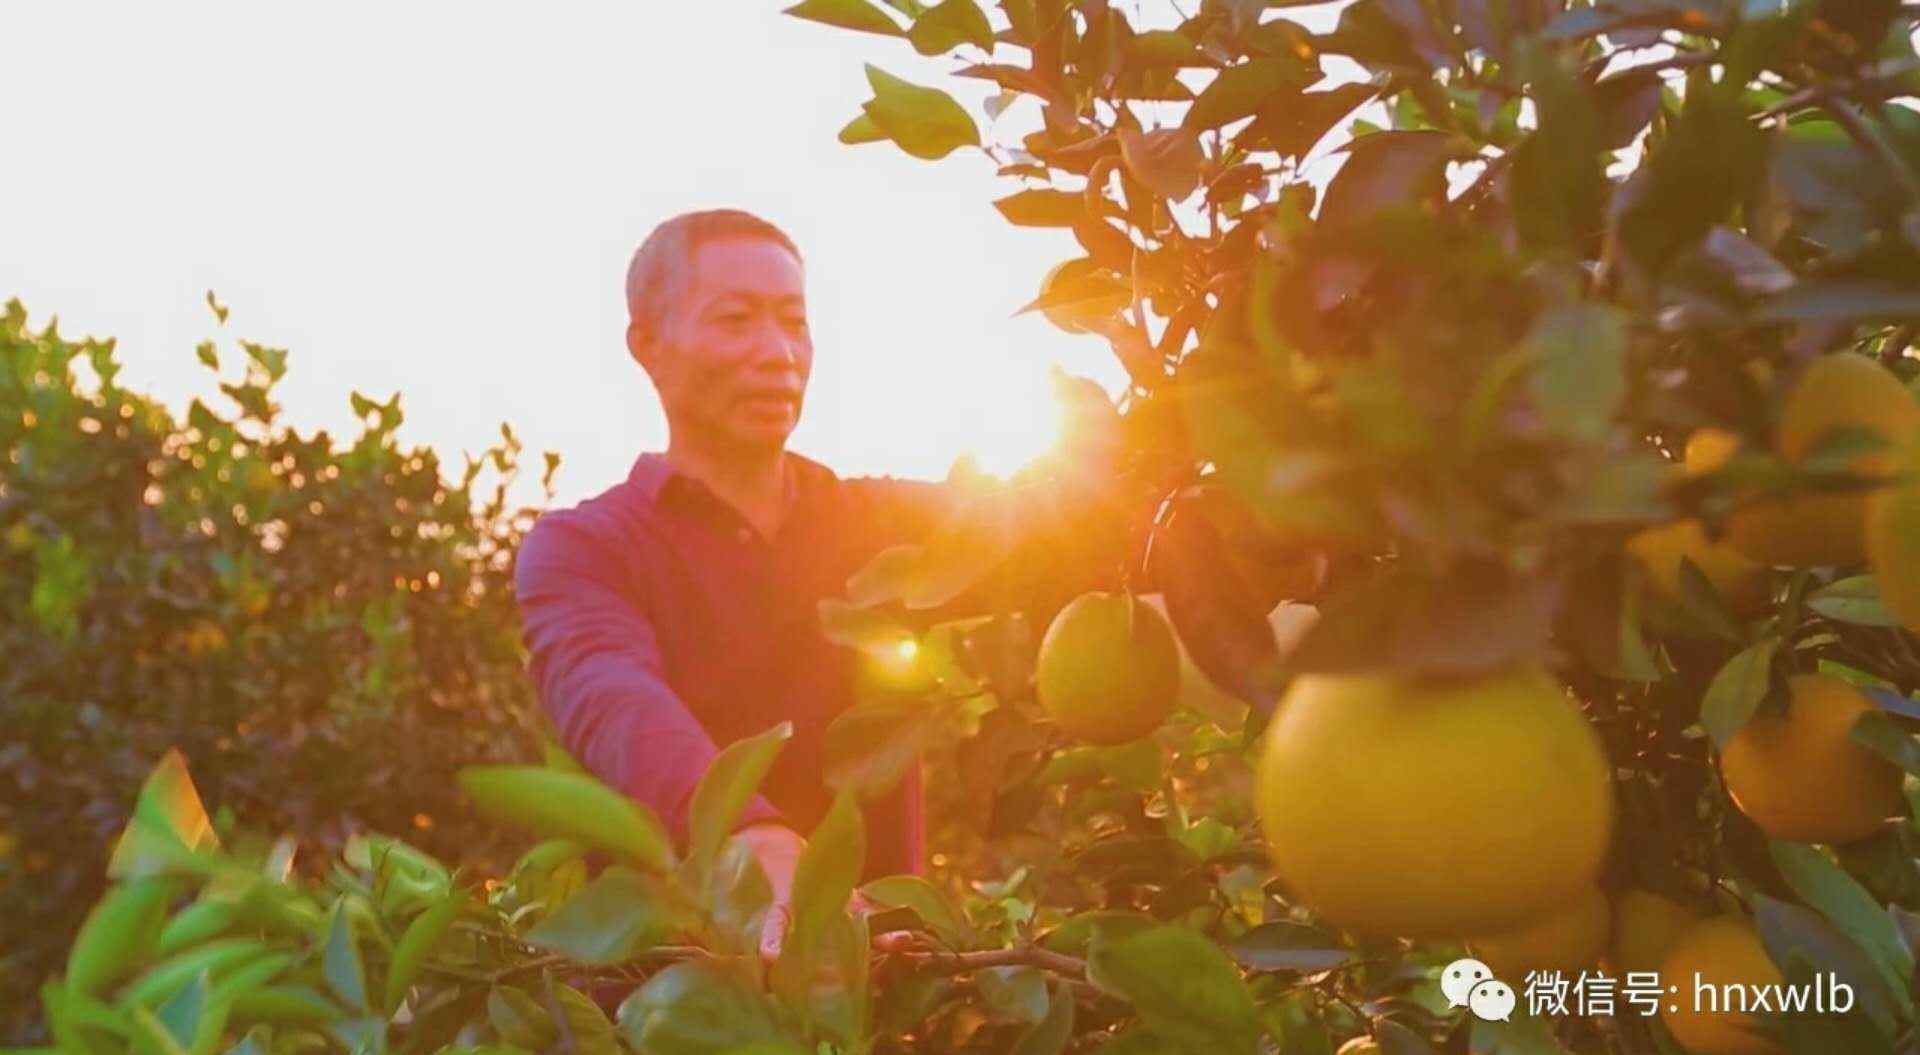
{"x":1028,"y":956}
{"x":1874,"y":143}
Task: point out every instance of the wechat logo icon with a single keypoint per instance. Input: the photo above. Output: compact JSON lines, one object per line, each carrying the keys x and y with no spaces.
{"x":1471,"y":984}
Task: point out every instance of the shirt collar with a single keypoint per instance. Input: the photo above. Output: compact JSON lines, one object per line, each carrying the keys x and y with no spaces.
{"x":651,"y":473}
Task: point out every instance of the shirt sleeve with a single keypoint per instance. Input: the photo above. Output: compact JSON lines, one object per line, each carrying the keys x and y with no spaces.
{"x":595,"y":663}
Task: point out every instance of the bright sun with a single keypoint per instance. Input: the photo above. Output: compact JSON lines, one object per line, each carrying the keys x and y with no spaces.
{"x":1025,"y":424}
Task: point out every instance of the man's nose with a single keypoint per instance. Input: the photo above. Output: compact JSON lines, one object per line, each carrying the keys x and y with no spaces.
{"x":776,"y":347}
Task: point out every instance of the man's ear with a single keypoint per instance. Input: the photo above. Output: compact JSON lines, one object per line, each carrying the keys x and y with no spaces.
{"x":639,"y":346}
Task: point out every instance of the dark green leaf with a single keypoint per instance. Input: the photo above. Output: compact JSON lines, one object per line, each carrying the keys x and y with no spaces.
{"x":870,"y":746}
{"x":828,"y":868}
{"x":1887,"y":739}
{"x":1738,"y":688}
{"x":1049,"y":1036}
{"x":1285,"y":946}
{"x":614,"y":916}
{"x":340,"y":960}
{"x":1843,"y":901}
{"x":1788,"y":930}
{"x":1017,"y":994}
{"x":1166,"y":161}
{"x":931,"y":904}
{"x":724,"y":790}
{"x":1853,"y":600}
{"x":1843,"y":300}
{"x":1240,"y":91}
{"x":1182,"y":984}
{"x":1580,"y":375}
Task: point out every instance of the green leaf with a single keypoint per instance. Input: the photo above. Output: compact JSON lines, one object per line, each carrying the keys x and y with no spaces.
{"x":869,"y":747}
{"x":340,"y":961}
{"x":861,"y":130}
{"x":1837,"y":896}
{"x":1703,"y":602}
{"x":1580,"y":368}
{"x":1287,"y":946}
{"x":119,"y":933}
{"x":1017,"y":994}
{"x":169,"y":832}
{"x":1183,"y":985}
{"x":1558,"y":175}
{"x":570,"y":805}
{"x":1788,"y":931}
{"x":204,"y":919}
{"x":927,"y":901}
{"x":1842,"y":300}
{"x":159,"y":1039}
{"x":739,"y":897}
{"x":846,"y":14}
{"x":1692,"y":179}
{"x":416,"y":942}
{"x":1240,"y":91}
{"x":924,"y":122}
{"x":1853,"y":600}
{"x":187,"y":1015}
{"x":1049,"y":1036}
{"x":828,"y":868}
{"x":1884,"y":737}
{"x":160,"y":982}
{"x":1853,"y":1034}
{"x":949,"y":25}
{"x":1167,"y":161}
{"x":1165,"y":47}
{"x":1042,"y":207}
{"x":695,"y":1007}
{"x":726,"y":787}
{"x":1738,"y":688}
{"x":610,"y":919}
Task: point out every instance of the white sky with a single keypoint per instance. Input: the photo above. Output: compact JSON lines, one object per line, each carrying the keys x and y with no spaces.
{"x":440,"y":199}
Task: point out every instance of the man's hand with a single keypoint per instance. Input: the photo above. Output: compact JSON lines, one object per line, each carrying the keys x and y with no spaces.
{"x":777,"y":847}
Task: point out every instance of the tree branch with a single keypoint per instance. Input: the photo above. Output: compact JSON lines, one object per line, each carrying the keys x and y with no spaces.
{"x":1026,"y":956}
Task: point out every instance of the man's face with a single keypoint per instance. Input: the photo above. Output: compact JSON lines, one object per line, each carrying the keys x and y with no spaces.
{"x":732,"y":358}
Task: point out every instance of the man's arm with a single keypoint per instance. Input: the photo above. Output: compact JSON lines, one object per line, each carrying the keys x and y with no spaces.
{"x":596,"y":665}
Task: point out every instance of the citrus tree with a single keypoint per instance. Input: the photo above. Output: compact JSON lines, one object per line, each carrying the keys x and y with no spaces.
{"x":326,"y":628}
{"x":1576,"y":402}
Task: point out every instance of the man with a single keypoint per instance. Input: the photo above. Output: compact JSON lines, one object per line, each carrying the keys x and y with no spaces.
{"x":675,"y":612}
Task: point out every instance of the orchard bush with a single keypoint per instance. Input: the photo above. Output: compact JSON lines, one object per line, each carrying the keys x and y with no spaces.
{"x":326,"y":629}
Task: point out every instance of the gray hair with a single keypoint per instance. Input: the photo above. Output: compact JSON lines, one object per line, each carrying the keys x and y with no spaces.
{"x":658,"y":275}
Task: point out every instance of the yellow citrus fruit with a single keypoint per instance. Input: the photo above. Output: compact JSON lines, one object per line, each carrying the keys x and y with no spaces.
{"x":1834,"y":391}
{"x":1893,"y":540}
{"x":1737,"y":578}
{"x":1433,"y":808}
{"x":1721,"y":951}
{"x":1801,"y":776}
{"x":1645,"y":926}
{"x":1108,"y":669}
{"x":1569,"y":938}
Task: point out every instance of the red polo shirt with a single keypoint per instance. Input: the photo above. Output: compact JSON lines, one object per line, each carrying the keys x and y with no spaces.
{"x":661,"y":626}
